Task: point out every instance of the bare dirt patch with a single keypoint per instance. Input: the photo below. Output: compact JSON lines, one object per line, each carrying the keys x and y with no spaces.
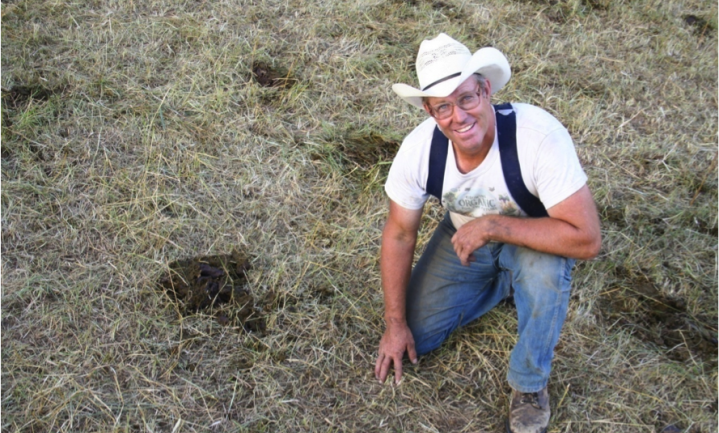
{"x":366,"y":150}
{"x":701,"y":26}
{"x":19,"y":95}
{"x":272,"y":76}
{"x":214,"y":284}
{"x":638,"y":304}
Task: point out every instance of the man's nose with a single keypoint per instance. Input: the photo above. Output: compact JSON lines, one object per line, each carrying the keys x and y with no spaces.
{"x":458,"y":114}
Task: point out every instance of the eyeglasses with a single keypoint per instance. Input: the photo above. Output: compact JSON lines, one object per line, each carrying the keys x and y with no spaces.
{"x":466,"y":102}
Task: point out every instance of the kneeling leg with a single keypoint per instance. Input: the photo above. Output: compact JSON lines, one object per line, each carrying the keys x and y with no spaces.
{"x":541,"y":284}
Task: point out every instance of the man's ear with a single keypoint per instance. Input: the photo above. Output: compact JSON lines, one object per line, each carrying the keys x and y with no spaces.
{"x":488,"y":89}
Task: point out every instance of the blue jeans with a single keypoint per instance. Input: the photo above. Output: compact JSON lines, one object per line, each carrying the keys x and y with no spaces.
{"x":443,"y":295}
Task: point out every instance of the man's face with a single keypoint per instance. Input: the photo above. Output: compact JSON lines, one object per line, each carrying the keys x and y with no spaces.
{"x":471,"y":130}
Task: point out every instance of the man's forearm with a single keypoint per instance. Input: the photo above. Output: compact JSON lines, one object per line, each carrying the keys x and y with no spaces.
{"x":395,"y":268}
{"x":548,"y":235}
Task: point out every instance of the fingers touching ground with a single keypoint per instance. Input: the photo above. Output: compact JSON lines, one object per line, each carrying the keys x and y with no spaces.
{"x":383,"y":365}
{"x":391,"y":351}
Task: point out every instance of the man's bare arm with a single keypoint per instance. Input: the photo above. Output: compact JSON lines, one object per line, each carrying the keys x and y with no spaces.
{"x":571,"y":230}
{"x":398,"y":242}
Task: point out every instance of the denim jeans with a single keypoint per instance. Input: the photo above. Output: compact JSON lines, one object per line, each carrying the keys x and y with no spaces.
{"x":443,"y":295}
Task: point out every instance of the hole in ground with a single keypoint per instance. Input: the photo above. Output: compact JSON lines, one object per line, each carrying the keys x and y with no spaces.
{"x":269,"y":76}
{"x":701,"y":26}
{"x":214,"y":284}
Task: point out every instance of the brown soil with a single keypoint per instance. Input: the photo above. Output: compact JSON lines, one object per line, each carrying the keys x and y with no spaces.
{"x":268,"y":76}
{"x":701,"y":26}
{"x":18,"y":95}
{"x":369,"y":149}
{"x":214,"y":284}
{"x":637,"y":304}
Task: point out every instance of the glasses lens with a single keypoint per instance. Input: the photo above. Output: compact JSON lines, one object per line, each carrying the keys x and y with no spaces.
{"x":467,"y":102}
{"x":443,"y":111}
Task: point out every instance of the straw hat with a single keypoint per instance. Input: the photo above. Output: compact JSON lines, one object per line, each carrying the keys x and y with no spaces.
{"x":444,"y":63}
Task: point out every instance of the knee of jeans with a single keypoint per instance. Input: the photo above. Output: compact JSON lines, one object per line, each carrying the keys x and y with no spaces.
{"x":541,"y":270}
{"x":427,"y":334}
{"x":425,"y":343}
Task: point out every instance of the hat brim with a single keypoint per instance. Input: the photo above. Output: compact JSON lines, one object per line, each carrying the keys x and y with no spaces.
{"x":488,"y":61}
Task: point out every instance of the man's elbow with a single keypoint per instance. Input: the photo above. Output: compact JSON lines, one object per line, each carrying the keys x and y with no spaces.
{"x":591,"y":248}
{"x":396,"y":234}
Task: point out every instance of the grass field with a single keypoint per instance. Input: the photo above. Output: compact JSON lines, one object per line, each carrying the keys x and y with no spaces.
{"x":136,"y":134}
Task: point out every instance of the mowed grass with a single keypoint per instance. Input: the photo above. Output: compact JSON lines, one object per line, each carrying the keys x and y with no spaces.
{"x":136,"y":133}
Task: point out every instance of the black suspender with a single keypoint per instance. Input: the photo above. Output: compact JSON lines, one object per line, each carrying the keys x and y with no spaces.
{"x":437,"y":163}
{"x":507,"y":130}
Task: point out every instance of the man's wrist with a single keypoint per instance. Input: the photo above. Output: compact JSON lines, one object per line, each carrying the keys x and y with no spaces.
{"x":394,"y":320}
{"x":490,"y":227}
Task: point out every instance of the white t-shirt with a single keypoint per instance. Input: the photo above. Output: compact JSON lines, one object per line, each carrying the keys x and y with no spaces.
{"x":548,"y":160}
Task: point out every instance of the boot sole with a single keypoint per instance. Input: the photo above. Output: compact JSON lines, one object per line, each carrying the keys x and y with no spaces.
{"x":509,"y":430}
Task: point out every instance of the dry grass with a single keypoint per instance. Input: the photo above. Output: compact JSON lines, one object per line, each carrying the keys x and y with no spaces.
{"x":135,"y":134}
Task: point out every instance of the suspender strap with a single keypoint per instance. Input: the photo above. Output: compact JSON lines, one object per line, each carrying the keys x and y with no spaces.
{"x":507,"y":129}
{"x":437,"y":163}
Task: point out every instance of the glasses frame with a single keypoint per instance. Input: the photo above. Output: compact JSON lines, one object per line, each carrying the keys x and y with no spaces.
{"x":432,"y":111}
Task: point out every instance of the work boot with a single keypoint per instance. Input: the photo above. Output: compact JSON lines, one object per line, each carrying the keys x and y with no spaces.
{"x":528,"y":412}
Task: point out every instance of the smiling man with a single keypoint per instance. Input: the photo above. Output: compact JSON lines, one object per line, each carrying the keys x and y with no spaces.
{"x":519,"y":215}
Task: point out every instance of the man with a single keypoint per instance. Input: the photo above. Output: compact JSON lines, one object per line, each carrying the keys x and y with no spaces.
{"x":486,"y":244}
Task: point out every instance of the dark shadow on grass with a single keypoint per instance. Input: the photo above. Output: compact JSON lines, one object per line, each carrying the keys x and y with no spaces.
{"x":636,"y":304}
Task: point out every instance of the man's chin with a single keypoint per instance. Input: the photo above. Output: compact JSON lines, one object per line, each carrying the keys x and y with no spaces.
{"x":470,"y":144}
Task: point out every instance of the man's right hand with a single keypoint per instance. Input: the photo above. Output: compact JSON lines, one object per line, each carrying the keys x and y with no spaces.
{"x":396,"y":340}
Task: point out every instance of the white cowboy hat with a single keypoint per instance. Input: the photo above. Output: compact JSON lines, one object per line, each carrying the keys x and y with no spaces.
{"x":444,"y":63}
